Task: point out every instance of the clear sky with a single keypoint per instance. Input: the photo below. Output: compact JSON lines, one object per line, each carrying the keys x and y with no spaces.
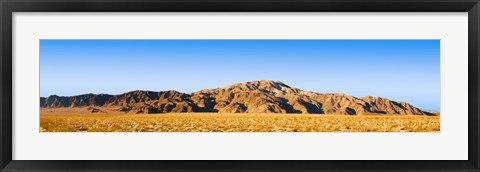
{"x":401,"y":70}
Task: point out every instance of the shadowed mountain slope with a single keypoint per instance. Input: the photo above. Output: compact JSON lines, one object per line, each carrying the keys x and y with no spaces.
{"x":263,"y":96}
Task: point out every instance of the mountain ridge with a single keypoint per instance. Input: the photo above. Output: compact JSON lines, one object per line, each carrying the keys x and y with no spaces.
{"x":261,"y":96}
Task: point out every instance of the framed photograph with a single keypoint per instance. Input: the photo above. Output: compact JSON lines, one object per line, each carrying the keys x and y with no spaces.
{"x":159,"y":85}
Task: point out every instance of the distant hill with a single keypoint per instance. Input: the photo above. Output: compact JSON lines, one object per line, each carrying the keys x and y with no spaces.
{"x":263,"y":96}
{"x":435,"y":112}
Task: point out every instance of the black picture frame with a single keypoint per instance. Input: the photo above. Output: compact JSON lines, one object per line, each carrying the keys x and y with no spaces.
{"x":9,"y":6}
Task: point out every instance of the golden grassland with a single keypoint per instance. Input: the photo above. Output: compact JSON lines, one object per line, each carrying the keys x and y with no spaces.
{"x":83,"y":121}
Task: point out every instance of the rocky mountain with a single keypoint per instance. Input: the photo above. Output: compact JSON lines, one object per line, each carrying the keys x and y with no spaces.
{"x":263,"y":96}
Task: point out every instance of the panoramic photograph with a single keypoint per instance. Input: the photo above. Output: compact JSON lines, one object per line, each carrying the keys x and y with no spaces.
{"x":239,"y":86}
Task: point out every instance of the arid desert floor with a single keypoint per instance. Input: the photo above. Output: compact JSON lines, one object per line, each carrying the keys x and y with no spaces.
{"x":81,"y":120}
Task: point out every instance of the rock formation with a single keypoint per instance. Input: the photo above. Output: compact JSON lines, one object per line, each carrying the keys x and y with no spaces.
{"x":263,"y":96}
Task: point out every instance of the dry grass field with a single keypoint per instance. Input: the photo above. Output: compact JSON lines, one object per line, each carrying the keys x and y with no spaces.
{"x":80,"y":120}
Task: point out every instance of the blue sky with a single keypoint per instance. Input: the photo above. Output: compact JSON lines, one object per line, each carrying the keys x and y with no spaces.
{"x":401,"y":70}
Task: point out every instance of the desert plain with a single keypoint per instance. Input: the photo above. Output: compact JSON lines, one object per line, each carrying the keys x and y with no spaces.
{"x":105,"y":120}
